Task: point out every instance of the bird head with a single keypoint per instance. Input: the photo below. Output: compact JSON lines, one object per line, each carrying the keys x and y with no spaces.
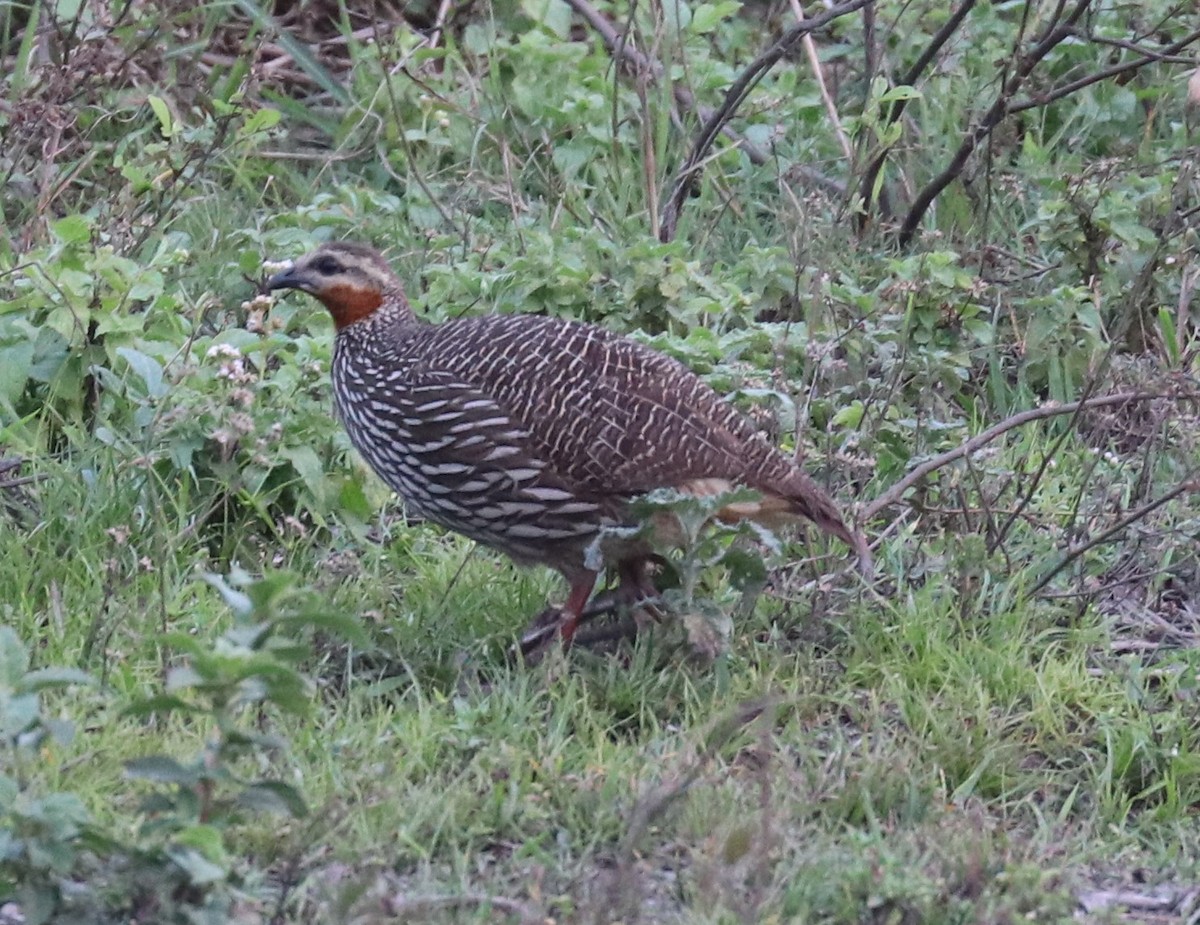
{"x":351,"y":280}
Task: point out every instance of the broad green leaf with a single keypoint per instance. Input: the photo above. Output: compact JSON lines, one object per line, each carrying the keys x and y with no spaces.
{"x":147,"y":368}
{"x":14,"y":658}
{"x":261,"y":120}
{"x":199,"y":869}
{"x":163,"y":703}
{"x":43,"y":678}
{"x":308,"y":466}
{"x":237,"y":601}
{"x":850,"y":416}
{"x":162,"y":769}
{"x":274,"y":796}
{"x":555,"y":15}
{"x":207,"y":840}
{"x":166,"y":123}
{"x":72,"y":229}
{"x":902,"y":92}
{"x":708,"y":16}
{"x":17,"y":713}
{"x":16,"y":364}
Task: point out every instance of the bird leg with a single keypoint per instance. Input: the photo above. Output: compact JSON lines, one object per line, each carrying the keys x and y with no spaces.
{"x":635,"y":594}
{"x":572,"y":610}
{"x":546,"y":623}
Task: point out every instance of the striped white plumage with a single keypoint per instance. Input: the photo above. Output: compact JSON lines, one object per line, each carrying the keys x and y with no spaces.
{"x":530,"y":434}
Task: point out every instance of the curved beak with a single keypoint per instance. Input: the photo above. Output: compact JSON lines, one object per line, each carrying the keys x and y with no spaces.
{"x":291,"y":278}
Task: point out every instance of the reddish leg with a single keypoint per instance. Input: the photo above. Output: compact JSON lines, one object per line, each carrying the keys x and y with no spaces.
{"x":577,"y":598}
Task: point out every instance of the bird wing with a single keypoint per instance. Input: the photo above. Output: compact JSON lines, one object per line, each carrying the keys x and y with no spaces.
{"x":608,"y":415}
{"x":461,"y":459}
{"x":611,"y":419}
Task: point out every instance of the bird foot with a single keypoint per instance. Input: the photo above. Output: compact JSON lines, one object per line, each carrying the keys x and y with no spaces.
{"x":545,"y":626}
{"x":543,"y":630}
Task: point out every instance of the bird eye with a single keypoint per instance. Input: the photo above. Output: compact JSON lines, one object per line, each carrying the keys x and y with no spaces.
{"x":327,"y":266}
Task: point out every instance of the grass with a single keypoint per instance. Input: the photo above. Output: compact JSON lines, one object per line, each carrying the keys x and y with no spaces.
{"x":944,"y":753}
{"x":952,"y":743}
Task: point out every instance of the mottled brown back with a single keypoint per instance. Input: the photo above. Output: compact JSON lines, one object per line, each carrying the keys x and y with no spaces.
{"x":602,"y":417}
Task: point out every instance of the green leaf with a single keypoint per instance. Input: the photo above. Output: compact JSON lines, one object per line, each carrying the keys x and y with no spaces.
{"x":9,"y":791}
{"x":553,"y":14}
{"x":165,"y":122}
{"x":72,"y":229}
{"x":261,"y":121}
{"x":147,"y":285}
{"x":16,"y":364}
{"x":479,"y":37}
{"x":274,"y":796}
{"x":353,"y":500}
{"x":54,"y":677}
{"x":185,"y":677}
{"x":708,"y":16}
{"x":162,"y":703}
{"x":850,"y":416}
{"x":207,"y":840}
{"x":14,"y":658}
{"x":162,"y":769}
{"x":147,"y":368}
{"x":237,"y":601}
{"x":199,"y":869}
{"x":746,"y":569}
{"x":308,"y":466}
{"x":17,"y":713}
{"x":902,"y":92}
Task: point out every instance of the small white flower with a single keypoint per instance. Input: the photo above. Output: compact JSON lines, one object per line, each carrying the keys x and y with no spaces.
{"x":223,"y":350}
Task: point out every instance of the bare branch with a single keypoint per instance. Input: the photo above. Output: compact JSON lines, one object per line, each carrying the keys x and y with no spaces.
{"x":814,"y":63}
{"x":734,"y":97}
{"x":1189,"y":484}
{"x":1056,"y":32}
{"x":1156,"y":54}
{"x":896,"y":492}
{"x":896,"y":110}
{"x":1147,"y":57}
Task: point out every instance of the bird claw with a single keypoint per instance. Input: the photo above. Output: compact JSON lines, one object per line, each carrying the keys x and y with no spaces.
{"x":544,"y":628}
{"x":545,"y":625}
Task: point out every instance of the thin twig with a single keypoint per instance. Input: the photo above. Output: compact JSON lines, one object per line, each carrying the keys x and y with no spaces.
{"x":1190,"y":484}
{"x":1157,"y":54}
{"x":1056,"y":33}
{"x":814,"y":62}
{"x":439,"y":22}
{"x":734,"y":97}
{"x":896,"y":492}
{"x":866,"y":188}
{"x":1050,"y":96}
{"x":640,"y":63}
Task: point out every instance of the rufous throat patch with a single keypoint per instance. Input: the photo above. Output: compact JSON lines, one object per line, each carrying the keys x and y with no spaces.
{"x":349,"y":304}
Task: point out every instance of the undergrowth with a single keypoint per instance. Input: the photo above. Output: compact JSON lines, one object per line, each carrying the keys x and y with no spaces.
{"x":955,"y":276}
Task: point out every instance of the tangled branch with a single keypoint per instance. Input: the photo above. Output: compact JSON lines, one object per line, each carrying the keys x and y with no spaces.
{"x":688,"y":173}
{"x":978,"y":442}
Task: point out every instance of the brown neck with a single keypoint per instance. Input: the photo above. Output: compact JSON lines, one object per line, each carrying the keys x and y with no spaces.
{"x":350,"y":305}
